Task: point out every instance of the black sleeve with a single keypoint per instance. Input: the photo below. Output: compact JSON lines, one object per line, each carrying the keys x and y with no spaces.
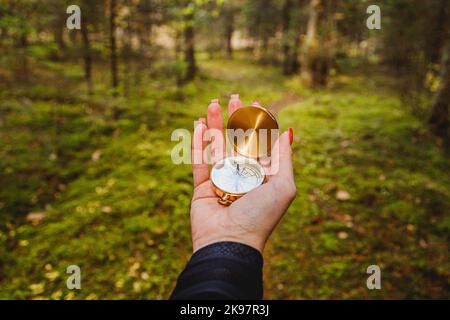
{"x":222,"y":270}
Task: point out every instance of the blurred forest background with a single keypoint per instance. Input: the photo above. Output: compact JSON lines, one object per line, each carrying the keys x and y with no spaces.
{"x":86,"y":117}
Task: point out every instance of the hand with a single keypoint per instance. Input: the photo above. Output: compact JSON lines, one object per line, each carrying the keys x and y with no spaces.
{"x":252,"y":218}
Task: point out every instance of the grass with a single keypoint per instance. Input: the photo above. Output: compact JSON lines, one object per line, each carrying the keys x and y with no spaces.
{"x":373,"y":188}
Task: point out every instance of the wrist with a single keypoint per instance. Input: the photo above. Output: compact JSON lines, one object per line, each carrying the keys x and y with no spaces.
{"x":253,"y":242}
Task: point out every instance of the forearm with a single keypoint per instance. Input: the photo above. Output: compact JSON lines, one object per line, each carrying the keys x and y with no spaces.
{"x":222,"y":270}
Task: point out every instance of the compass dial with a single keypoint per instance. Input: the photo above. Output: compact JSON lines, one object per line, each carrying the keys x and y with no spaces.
{"x":237,"y":175}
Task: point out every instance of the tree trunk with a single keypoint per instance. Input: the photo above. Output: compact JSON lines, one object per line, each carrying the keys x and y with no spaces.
{"x":3,"y":34}
{"x":438,"y":120}
{"x":310,"y":50}
{"x":264,"y":49}
{"x":294,"y":56}
{"x":229,"y":39}
{"x":189,"y":48}
{"x":87,"y":57}
{"x":327,"y":44}
{"x":127,"y":55}
{"x":437,"y":36}
{"x":294,"y":62}
{"x":229,"y":30}
{"x":23,"y":69}
{"x":145,"y":33}
{"x":59,"y":36}
{"x":287,"y":65}
{"x":178,"y":56}
{"x":113,"y":46}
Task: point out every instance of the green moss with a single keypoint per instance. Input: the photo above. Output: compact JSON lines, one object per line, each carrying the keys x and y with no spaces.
{"x":116,"y":205}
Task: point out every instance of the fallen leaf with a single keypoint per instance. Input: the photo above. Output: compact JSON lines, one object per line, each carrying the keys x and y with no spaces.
{"x":423,"y":244}
{"x":37,"y":288}
{"x":106,"y":209}
{"x":53,"y":156}
{"x":343,"y":235}
{"x":96,"y":155}
{"x":343,"y":217}
{"x":345,"y":143}
{"x":35,"y":217}
{"x":24,"y":243}
{"x":342,"y":195}
{"x":52,"y":275}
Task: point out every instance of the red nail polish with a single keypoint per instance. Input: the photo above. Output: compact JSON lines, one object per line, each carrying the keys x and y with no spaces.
{"x":291,"y":135}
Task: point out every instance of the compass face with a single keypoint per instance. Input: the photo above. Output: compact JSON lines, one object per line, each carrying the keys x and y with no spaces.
{"x":237,"y":175}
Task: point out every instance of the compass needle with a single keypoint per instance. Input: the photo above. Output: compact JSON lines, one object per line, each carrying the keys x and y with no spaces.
{"x":237,"y":176}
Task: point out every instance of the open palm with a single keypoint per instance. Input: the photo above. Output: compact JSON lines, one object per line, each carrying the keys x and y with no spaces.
{"x":250,"y":219}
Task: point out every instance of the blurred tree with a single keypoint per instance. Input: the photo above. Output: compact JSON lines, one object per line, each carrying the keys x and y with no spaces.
{"x":280,"y":30}
{"x":286,"y":19}
{"x":185,"y":15}
{"x":262,"y":18}
{"x":439,"y":119}
{"x":418,"y":53}
{"x":437,"y":35}
{"x":310,"y":45}
{"x":292,"y":17}
{"x":113,"y":44}
{"x":229,"y":12}
{"x":17,"y":24}
{"x":145,"y":16}
{"x":87,"y":57}
{"x":189,"y":42}
{"x":412,"y":39}
{"x":56,"y":13}
{"x":320,"y":42}
{"x":90,"y":11}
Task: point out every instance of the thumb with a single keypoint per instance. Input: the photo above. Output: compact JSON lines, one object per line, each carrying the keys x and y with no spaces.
{"x":281,"y":158}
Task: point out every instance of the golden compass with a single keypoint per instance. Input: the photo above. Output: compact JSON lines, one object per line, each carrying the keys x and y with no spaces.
{"x":250,"y":131}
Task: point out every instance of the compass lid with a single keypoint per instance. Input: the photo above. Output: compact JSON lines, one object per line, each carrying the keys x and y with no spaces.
{"x":252,"y":130}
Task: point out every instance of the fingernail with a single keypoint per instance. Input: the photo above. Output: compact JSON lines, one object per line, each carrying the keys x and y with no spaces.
{"x":234,"y":96}
{"x":291,"y":135}
{"x":202,"y":120}
{"x":215,"y":101}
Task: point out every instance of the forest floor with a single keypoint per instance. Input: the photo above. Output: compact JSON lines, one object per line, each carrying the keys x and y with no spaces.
{"x":95,"y":181}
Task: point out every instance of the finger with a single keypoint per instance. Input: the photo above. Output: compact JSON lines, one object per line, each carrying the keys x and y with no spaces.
{"x":215,"y":131}
{"x":200,"y":169}
{"x":214,"y":115}
{"x":281,"y":157}
{"x":234,"y":104}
